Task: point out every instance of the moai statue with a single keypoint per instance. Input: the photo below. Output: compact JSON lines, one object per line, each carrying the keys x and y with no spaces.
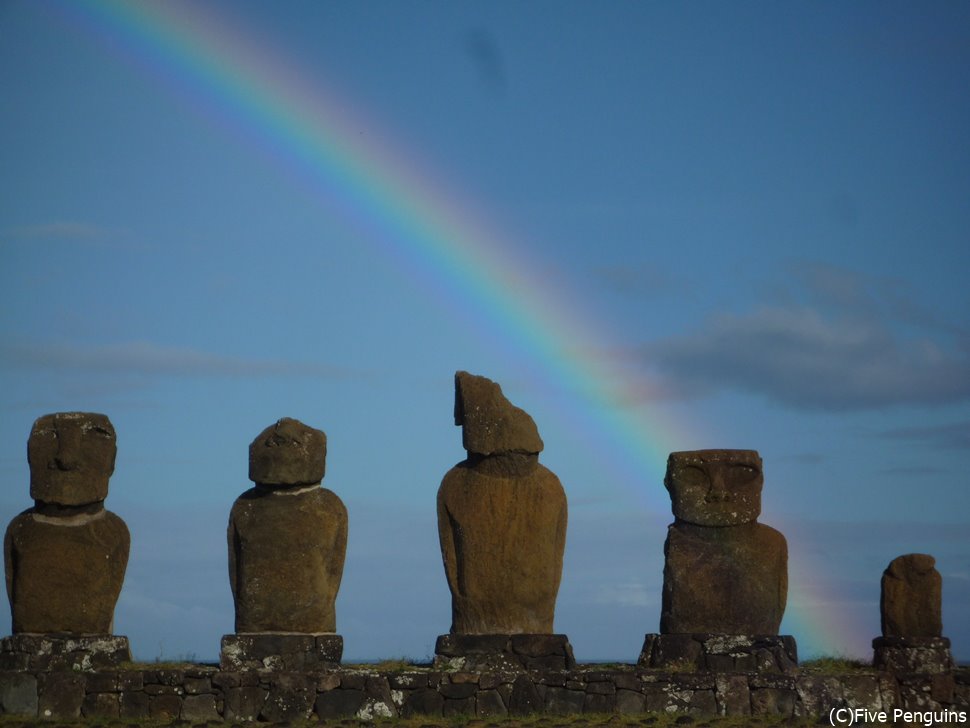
{"x":724,"y":573}
{"x":911,"y":614}
{"x":66,"y":557}
{"x":502,"y":527}
{"x":287,"y":541}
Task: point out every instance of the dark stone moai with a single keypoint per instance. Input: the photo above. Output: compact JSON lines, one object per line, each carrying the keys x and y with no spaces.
{"x":66,"y":557}
{"x":724,"y":573}
{"x":912,"y":592}
{"x":287,"y":542}
{"x":502,"y":526}
{"x":287,"y":535}
{"x":911,"y":615}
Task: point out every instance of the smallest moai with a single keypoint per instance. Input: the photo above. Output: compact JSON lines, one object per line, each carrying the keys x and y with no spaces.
{"x":287,"y":541}
{"x":725,"y":575}
{"x":66,"y":557}
{"x":911,"y":615}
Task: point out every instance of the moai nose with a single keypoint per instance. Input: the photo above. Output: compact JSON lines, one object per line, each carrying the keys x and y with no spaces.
{"x":68,"y":447}
{"x":718,"y":492}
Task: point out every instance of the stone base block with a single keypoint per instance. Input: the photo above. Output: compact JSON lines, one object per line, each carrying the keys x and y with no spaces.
{"x":77,"y":653}
{"x":281,"y":651}
{"x":720,"y":652}
{"x":503,"y":652}
{"x":912,"y":654}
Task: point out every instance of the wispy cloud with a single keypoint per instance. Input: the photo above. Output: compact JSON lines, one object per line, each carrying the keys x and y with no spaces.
{"x":846,"y":348}
{"x":147,"y":358}
{"x":65,"y":231}
{"x":953,"y":436}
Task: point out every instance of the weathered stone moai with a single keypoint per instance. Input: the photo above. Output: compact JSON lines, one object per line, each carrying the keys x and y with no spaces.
{"x":66,"y":557}
{"x":287,"y":541}
{"x":502,"y":526}
{"x":725,"y":574}
{"x":911,"y":615}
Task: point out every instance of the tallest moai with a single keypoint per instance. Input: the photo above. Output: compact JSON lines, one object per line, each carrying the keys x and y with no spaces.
{"x":502,"y":526}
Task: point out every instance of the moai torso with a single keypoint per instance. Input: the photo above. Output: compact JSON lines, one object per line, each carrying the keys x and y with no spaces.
{"x":287,"y":536}
{"x":66,"y":557}
{"x":501,"y":519}
{"x":724,"y":573}
{"x":912,"y":595}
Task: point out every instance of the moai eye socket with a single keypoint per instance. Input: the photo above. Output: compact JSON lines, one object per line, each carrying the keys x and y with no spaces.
{"x":741,"y":474}
{"x":694,"y":477}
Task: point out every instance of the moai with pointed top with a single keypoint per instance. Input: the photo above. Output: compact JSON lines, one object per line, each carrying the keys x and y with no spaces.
{"x":287,"y":541}
{"x":502,"y":526}
{"x":725,"y":575}
{"x":911,"y":616}
{"x":66,"y":557}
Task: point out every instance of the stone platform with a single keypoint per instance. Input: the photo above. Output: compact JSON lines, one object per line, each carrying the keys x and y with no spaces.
{"x":79,"y":653}
{"x":720,"y":652}
{"x":503,"y":652}
{"x":912,"y":654}
{"x":281,"y":651}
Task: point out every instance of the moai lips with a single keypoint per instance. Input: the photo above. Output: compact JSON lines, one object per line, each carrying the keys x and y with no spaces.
{"x":501,"y":519}
{"x":66,"y":557}
{"x":724,"y":573}
{"x":287,"y":536}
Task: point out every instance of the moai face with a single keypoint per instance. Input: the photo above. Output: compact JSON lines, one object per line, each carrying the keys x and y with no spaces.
{"x":715,"y":487}
{"x":71,"y":456}
{"x":288,"y":453}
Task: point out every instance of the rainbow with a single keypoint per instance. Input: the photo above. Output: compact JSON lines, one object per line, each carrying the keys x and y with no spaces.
{"x":352,"y":166}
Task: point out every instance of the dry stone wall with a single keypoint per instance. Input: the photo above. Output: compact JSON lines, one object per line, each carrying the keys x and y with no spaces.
{"x":203,"y":693}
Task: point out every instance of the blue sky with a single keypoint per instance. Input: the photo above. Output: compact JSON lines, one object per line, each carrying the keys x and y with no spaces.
{"x":754,"y":215}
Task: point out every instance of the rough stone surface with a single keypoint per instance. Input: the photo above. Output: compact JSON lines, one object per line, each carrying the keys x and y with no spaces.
{"x":287,"y":544}
{"x":280,"y":652}
{"x":76,"y":653}
{"x":64,"y":573}
{"x":723,"y":572}
{"x":288,"y":453}
{"x":720,"y":653}
{"x":490,"y":423}
{"x":71,"y":456}
{"x":715,"y":487}
{"x":503,"y":652}
{"x":912,"y":654}
{"x":911,"y":600}
{"x":731,"y":580}
{"x":368,"y":695}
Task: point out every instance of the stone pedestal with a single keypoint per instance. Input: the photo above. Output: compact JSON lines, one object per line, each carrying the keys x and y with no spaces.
{"x":281,"y":651}
{"x":912,"y":654}
{"x":77,"y":653}
{"x":503,"y":652}
{"x":720,"y":652}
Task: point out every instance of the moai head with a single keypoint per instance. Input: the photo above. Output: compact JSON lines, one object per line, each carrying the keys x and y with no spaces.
{"x":288,"y":453}
{"x":912,"y":593}
{"x":715,"y":487}
{"x":490,"y":423}
{"x":71,"y":456}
